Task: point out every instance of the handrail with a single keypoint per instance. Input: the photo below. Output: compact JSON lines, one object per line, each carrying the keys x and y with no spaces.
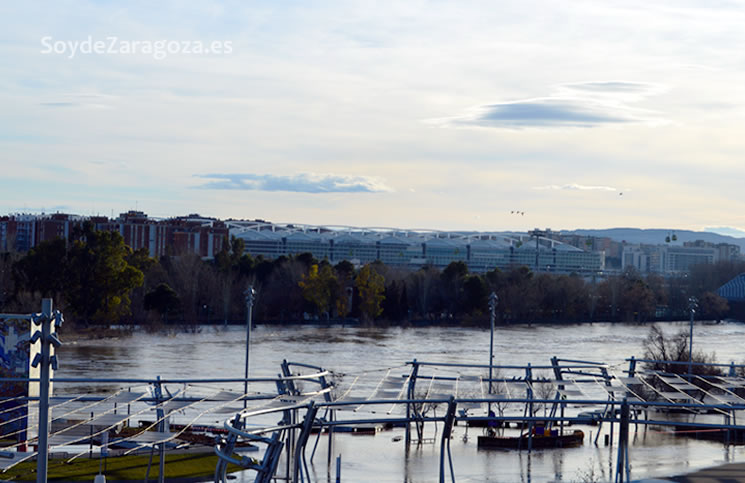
{"x":171,"y":381}
{"x":495,"y":366}
{"x":686,"y":363}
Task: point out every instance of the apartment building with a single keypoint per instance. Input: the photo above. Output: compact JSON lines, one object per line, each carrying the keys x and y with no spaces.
{"x":173,"y":236}
{"x":675,"y":259}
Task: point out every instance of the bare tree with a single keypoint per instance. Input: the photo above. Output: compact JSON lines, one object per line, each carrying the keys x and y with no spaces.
{"x":669,"y":354}
{"x":543,"y":389}
{"x":184,"y":273}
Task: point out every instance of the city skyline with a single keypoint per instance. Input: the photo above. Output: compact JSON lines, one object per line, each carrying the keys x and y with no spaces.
{"x":424,"y":114}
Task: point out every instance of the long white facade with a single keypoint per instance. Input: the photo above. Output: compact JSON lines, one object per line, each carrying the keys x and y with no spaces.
{"x":676,"y":259}
{"x":481,"y":251}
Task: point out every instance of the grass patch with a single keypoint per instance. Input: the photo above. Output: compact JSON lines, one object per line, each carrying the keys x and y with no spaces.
{"x":129,"y":467}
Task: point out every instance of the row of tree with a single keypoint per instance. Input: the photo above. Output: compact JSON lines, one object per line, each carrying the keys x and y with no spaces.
{"x":99,"y":280}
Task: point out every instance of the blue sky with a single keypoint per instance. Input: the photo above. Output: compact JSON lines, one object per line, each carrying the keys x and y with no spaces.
{"x":432,"y":114}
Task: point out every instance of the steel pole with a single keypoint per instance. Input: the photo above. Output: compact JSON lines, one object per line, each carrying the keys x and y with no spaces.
{"x":692,"y":304}
{"x":493,"y":299}
{"x":161,"y":415}
{"x":250,"y":293}
{"x":46,"y":347}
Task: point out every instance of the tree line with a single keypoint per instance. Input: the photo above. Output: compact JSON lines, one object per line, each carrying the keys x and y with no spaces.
{"x":99,"y":280}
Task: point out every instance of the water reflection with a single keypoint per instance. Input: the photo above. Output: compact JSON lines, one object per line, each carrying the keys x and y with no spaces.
{"x":353,"y":351}
{"x":557,"y":459}
{"x":525,"y":464}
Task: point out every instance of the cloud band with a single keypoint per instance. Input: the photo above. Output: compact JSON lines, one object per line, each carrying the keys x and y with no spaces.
{"x":299,"y":183}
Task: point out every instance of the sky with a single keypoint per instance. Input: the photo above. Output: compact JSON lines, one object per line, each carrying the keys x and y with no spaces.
{"x":461,"y":115}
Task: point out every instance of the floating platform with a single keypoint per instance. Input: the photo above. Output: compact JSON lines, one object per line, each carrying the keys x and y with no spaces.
{"x":575,"y":438}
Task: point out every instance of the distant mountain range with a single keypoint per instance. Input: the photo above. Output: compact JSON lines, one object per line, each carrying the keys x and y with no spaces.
{"x":656,"y":236}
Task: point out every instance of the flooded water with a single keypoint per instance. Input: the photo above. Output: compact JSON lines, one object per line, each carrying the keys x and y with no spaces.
{"x":220,"y":353}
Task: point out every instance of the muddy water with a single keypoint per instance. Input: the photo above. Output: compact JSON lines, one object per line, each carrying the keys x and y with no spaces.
{"x":220,"y":353}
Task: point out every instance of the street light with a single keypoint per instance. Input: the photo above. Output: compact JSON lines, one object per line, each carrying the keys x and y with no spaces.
{"x":493,"y":300}
{"x":250,"y":297}
{"x":692,"y":306}
{"x":537,"y":234}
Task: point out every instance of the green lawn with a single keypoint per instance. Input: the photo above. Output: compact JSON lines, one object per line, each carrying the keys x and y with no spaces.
{"x":120,"y":468}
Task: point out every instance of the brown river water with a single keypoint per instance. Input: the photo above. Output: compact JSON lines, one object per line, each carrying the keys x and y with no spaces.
{"x":219,"y":352}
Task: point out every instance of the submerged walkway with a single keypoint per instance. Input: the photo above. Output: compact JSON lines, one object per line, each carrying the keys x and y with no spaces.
{"x":727,"y":473}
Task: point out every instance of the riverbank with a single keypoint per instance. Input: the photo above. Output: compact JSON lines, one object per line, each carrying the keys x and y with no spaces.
{"x":73,"y":334}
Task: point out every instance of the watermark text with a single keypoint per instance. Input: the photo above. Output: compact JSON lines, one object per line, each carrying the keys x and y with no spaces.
{"x":112,"y":45}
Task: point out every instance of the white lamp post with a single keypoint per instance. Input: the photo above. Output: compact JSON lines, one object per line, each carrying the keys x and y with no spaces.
{"x":493,"y":300}
{"x":692,"y":306}
{"x":250,"y":297}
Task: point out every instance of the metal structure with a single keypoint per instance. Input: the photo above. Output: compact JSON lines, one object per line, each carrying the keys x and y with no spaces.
{"x":250,"y":297}
{"x":574,"y":383}
{"x":538,"y":234}
{"x":692,"y":306}
{"x":493,"y":300}
{"x":281,"y":413}
{"x":306,"y":399}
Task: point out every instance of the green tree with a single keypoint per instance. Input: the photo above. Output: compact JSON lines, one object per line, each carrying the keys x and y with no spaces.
{"x":99,"y":278}
{"x":222,"y":259}
{"x":345,"y":275}
{"x":164,"y":300}
{"x":637,"y":300}
{"x":231,"y":256}
{"x":141,"y":260}
{"x":424,"y":287}
{"x":475,"y":295}
{"x":518,"y":294}
{"x":43,"y":269}
{"x":451,"y":283}
{"x":344,"y":269}
{"x":281,"y":295}
{"x":395,"y":305}
{"x":318,"y":287}
{"x":7,"y":284}
{"x":306,"y":258}
{"x":153,"y":273}
{"x":237,"y":249}
{"x":371,"y":286}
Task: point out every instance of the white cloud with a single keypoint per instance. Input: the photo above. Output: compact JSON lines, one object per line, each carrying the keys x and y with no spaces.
{"x":580,"y":104}
{"x":575,"y":187}
{"x":89,"y":100}
{"x":300,"y":183}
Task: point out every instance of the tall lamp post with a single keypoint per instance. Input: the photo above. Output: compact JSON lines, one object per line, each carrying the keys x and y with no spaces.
{"x":692,"y":306}
{"x":493,"y":300}
{"x":537,"y":234}
{"x":48,"y":361}
{"x":250,"y":297}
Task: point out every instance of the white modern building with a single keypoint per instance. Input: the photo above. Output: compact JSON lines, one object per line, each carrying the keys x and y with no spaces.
{"x":481,"y":251}
{"x":674,"y":259}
